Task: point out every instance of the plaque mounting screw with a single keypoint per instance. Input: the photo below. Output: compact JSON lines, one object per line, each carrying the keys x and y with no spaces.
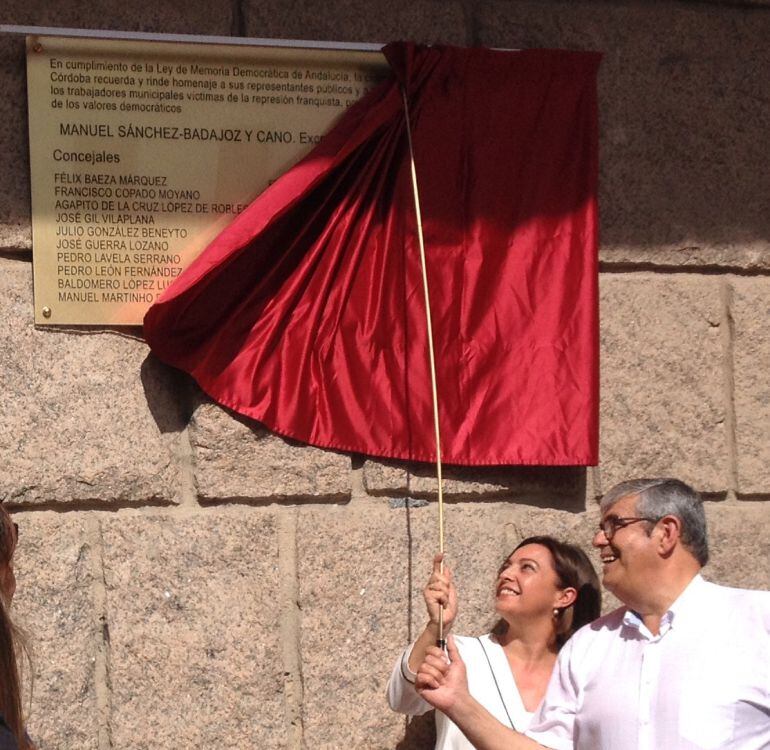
{"x":37,"y":47}
{"x":46,"y":312}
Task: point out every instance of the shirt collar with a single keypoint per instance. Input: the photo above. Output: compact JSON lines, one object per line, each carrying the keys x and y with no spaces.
{"x":686,"y":605}
{"x":683,"y":609}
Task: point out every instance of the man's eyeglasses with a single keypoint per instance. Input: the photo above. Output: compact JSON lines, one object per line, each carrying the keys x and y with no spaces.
{"x":612,"y":523}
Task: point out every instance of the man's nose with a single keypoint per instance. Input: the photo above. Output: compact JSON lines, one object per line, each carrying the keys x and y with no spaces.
{"x":600,"y":539}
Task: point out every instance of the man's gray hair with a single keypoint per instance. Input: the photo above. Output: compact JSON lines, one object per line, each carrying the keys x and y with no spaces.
{"x":667,"y":497}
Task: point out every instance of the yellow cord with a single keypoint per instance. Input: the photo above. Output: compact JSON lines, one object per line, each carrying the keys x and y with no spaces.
{"x":431,"y":355}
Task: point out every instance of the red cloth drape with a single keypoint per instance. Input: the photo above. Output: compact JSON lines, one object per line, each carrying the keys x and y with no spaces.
{"x":307,"y":312}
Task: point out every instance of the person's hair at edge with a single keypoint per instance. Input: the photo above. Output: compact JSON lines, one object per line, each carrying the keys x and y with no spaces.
{"x":573,"y":570}
{"x":13,"y":646}
{"x":667,"y":497}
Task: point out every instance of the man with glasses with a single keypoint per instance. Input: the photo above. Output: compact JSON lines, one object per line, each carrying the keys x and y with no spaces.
{"x":684,"y":664}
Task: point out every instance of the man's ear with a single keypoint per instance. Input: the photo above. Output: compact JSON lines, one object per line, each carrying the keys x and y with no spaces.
{"x":669,"y":533}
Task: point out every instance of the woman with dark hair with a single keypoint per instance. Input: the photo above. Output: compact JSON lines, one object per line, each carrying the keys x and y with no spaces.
{"x":12,"y":646}
{"x":545,"y":590}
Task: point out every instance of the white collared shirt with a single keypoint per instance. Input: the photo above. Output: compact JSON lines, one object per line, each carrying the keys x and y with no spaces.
{"x":702,"y":682}
{"x":490,"y":682}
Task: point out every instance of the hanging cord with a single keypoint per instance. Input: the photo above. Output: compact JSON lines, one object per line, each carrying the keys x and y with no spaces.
{"x":497,"y":685}
{"x":431,"y":357}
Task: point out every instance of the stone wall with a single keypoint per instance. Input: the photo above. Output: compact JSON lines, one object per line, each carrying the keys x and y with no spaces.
{"x":191,"y":581}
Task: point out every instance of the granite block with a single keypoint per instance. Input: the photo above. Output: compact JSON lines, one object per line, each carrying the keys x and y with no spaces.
{"x":751,"y":378}
{"x":662,"y":380}
{"x":195,"y":658}
{"x":237,"y":458}
{"x":57,"y":567}
{"x":15,"y":217}
{"x":355,"y":21}
{"x":88,"y":416}
{"x":739,"y":545}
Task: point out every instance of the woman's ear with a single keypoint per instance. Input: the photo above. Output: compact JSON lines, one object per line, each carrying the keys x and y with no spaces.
{"x":565,"y":597}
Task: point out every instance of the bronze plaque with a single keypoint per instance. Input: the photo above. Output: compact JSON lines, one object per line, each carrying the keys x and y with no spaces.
{"x":142,"y":152}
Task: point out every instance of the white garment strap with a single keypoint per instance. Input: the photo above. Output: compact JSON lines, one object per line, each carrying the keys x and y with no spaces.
{"x":494,"y":677}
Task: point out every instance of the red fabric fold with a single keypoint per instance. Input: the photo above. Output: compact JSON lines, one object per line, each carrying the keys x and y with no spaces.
{"x":307,"y":312}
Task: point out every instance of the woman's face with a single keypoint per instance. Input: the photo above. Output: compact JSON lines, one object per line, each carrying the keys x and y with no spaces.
{"x":527,"y":584}
{"x":7,"y":576}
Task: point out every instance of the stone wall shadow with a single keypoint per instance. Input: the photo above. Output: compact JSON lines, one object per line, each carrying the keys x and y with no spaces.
{"x":168,"y":393}
{"x":556,"y":487}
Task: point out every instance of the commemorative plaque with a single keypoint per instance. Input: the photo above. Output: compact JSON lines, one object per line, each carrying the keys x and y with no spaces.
{"x":141,"y":152}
